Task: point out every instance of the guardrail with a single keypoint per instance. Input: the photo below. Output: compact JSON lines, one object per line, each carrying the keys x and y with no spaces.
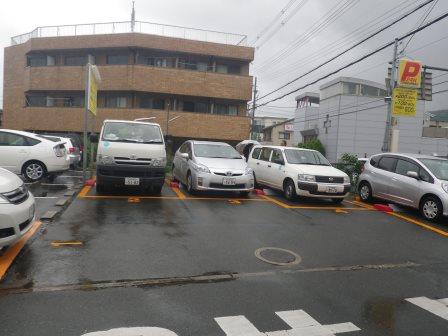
{"x":129,"y":27}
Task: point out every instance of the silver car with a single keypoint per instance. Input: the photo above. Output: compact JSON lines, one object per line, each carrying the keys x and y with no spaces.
{"x":203,"y":165}
{"x":412,"y":180}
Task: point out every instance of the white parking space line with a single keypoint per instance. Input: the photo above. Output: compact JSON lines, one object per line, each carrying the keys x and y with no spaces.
{"x":301,"y":323}
{"x":142,"y":331}
{"x":436,"y":307}
{"x":46,"y":197}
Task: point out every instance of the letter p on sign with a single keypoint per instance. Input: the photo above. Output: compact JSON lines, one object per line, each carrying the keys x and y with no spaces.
{"x":410,"y":74}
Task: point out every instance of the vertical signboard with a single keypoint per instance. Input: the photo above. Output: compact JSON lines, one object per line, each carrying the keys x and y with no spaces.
{"x":94,"y":79}
{"x":404,"y":102}
{"x":410,"y":74}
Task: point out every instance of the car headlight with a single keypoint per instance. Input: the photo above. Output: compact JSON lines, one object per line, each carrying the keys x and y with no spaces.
{"x":3,"y":200}
{"x":307,"y":178}
{"x":200,"y":168}
{"x":248,"y":171}
{"x":160,"y":162}
{"x":346,"y":179}
{"x":105,"y":159}
{"x":445,"y":187}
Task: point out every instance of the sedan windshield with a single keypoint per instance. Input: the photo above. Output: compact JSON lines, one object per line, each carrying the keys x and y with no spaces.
{"x":215,"y":151}
{"x":438,"y":167}
{"x":131,"y":132}
{"x":297,"y":156}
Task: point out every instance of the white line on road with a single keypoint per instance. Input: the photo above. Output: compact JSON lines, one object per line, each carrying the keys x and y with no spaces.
{"x":437,"y":307}
{"x":302,"y":324}
{"x":144,"y":331}
{"x":48,"y":197}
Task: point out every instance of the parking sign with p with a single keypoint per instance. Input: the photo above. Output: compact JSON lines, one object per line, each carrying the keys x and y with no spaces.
{"x":409,"y":74}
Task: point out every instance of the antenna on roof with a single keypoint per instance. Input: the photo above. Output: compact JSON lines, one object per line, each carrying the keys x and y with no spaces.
{"x":133,"y":17}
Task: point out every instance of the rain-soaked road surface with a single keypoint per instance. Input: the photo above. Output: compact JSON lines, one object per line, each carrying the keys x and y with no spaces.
{"x":184,"y":263}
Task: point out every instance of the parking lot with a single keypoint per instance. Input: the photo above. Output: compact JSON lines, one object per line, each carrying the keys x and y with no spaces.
{"x":189,"y":264}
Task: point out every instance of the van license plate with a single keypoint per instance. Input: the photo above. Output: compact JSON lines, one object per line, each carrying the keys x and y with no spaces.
{"x":131,"y":181}
{"x":332,"y":190}
{"x":228,"y":181}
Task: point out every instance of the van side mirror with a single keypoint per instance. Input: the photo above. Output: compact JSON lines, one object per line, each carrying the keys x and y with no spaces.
{"x":94,"y":138}
{"x":185,"y":156}
{"x":413,"y":174}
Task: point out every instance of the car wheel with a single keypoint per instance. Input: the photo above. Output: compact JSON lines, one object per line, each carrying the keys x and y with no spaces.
{"x":190,"y":187}
{"x":34,"y":171}
{"x":431,"y":208}
{"x":365,"y":192}
{"x":289,"y":190}
{"x":337,"y":200}
{"x":256,"y":184}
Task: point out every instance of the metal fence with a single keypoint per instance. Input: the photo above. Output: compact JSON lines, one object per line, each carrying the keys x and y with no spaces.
{"x":128,"y":27}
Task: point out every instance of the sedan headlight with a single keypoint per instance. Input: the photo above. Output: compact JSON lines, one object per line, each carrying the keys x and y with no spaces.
{"x":200,"y":168}
{"x":3,"y":200}
{"x":105,"y":159}
{"x":346,"y":179}
{"x":160,"y":162}
{"x":307,"y":178}
{"x":248,"y":171}
{"x":445,"y":187}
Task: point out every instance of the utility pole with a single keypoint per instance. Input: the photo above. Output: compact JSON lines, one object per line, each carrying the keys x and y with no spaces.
{"x":254,"y":101}
{"x":133,"y":17}
{"x":388,"y":131}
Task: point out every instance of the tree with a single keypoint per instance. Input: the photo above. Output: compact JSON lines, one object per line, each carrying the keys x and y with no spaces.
{"x":313,"y":144}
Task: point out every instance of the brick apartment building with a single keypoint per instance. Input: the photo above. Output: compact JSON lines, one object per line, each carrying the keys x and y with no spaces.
{"x":202,"y":86}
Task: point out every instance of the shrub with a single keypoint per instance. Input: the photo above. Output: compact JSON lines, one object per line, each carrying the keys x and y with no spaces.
{"x":313,"y":144}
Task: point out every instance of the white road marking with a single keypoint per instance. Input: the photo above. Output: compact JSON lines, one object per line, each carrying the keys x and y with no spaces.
{"x":145,"y":331}
{"x":302,"y":324}
{"x":42,"y":197}
{"x":437,"y":307}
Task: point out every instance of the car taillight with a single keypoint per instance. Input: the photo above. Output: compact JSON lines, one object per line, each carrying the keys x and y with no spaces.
{"x":71,"y":150}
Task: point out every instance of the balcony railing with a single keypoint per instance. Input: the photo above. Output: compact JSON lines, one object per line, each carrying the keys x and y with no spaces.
{"x":129,"y":27}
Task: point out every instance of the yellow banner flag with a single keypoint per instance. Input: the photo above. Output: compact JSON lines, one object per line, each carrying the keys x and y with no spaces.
{"x":404,"y":102}
{"x":94,"y":79}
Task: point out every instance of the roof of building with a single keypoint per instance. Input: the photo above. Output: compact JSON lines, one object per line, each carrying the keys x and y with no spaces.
{"x":312,"y":95}
{"x":438,"y":115}
{"x":352,"y":80}
{"x":279,"y":124}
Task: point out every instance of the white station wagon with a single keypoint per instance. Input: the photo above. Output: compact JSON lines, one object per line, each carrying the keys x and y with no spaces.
{"x":298,"y":172}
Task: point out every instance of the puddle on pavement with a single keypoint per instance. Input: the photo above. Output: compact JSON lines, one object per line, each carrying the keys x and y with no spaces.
{"x":382,"y":313}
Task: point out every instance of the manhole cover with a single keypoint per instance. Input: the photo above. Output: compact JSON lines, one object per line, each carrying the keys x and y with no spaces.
{"x":278,"y":256}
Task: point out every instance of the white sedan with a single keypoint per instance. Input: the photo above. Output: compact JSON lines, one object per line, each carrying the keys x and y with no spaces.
{"x":17,"y":208}
{"x":33,"y":156}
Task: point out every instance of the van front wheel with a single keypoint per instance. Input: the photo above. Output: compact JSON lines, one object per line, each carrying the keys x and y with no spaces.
{"x":289,"y":190}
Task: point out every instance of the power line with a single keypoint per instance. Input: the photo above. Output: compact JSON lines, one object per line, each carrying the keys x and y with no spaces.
{"x":334,"y":13}
{"x":350,"y":48}
{"x":335,"y":46}
{"x":443,"y":91}
{"x":283,"y":23}
{"x":439,"y":18}
{"x":435,"y":84}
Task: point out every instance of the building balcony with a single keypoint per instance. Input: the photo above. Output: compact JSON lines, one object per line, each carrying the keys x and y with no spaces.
{"x":204,"y":126}
{"x":142,"y":78}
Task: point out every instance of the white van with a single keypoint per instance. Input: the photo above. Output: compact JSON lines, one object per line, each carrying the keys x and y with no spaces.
{"x":131,"y":153}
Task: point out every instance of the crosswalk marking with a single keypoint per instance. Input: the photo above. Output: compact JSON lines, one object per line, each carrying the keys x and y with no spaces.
{"x":301,"y":323}
{"x":437,"y":307}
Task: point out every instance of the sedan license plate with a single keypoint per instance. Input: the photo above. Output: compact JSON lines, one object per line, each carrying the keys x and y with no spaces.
{"x":228,"y":181}
{"x":332,"y":190}
{"x":134,"y":181}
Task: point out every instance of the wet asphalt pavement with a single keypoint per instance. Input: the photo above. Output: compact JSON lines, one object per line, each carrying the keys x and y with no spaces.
{"x":178,"y":262}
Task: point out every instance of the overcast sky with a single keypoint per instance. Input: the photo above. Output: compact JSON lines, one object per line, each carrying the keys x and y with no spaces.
{"x":250,"y":17}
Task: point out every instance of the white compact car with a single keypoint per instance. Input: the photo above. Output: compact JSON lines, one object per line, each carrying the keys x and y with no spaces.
{"x":298,"y":172}
{"x":17,"y":208}
{"x":28,"y":154}
{"x":205,"y":165}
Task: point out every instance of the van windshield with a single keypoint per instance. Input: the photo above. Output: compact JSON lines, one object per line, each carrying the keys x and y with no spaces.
{"x":438,"y":167}
{"x":131,"y":132}
{"x":297,"y":156}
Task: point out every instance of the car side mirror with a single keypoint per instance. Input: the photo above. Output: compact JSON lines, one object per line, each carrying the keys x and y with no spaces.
{"x":94,"y":138}
{"x":413,"y":174}
{"x":185,"y":156}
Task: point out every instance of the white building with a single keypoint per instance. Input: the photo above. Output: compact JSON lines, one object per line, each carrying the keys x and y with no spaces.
{"x":350,"y":117}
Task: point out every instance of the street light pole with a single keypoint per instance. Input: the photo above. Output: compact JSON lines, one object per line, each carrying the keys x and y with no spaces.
{"x":388,"y":131}
{"x":254,"y":101}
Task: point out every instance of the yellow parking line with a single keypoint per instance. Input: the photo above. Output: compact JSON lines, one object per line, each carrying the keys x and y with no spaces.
{"x":84,"y":191}
{"x":275,"y":201}
{"x":8,"y":258}
{"x":58,"y":243}
{"x":179,"y":193}
{"x":316,"y":207}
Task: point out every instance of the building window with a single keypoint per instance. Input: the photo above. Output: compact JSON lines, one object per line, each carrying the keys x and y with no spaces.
{"x":350,"y":89}
{"x":117,"y":59}
{"x":188,"y":106}
{"x":284,"y":135}
{"x":222,"y":68}
{"x":371,"y":91}
{"x":75,"y":60}
{"x":234,"y":69}
{"x":36,"y":61}
{"x":116,"y":101}
{"x":226,"y":109}
{"x":74,"y":101}
{"x":201,"y":107}
{"x":38,"y":101}
{"x":202,"y":66}
{"x":152,"y":103}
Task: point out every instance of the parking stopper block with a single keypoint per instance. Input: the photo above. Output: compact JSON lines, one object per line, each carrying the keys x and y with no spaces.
{"x":90,"y":183}
{"x":383,"y":207}
{"x":174,"y":185}
{"x":259,"y":191}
